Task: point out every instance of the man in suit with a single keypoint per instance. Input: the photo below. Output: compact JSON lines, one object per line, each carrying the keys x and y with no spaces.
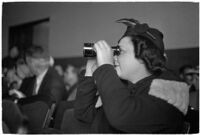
{"x":45,"y":83}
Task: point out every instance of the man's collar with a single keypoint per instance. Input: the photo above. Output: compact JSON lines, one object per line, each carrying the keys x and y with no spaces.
{"x":41,"y":76}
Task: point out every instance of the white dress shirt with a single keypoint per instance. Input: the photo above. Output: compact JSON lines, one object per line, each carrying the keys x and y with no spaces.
{"x":39,"y":80}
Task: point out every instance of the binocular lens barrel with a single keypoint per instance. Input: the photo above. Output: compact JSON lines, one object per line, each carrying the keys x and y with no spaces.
{"x":88,"y":50}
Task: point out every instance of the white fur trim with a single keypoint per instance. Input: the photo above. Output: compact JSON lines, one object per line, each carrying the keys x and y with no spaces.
{"x":174,"y":92}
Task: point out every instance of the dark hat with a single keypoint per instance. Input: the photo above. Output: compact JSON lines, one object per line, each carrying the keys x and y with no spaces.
{"x":135,"y":28}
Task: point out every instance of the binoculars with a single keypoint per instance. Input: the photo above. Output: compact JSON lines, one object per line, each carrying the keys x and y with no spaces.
{"x":88,"y":50}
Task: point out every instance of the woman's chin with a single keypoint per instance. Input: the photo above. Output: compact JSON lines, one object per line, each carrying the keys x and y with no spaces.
{"x":118,"y":71}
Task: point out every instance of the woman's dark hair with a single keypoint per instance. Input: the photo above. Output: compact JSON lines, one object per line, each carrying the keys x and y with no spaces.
{"x":149,"y":53}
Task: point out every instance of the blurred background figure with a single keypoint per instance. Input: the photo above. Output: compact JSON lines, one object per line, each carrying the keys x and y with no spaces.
{"x":9,"y":81}
{"x":22,"y":69}
{"x":71,"y":80}
{"x":59,"y":69}
{"x":190,"y":75}
{"x":82,"y":70}
{"x":9,"y":61}
{"x":185,"y":73}
{"x":45,"y":82}
{"x":13,"y":78}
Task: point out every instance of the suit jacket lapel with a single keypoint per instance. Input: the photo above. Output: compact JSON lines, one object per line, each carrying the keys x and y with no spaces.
{"x":44,"y":82}
{"x":29,"y":86}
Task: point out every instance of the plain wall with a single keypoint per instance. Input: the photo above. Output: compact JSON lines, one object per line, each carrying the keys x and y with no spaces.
{"x":72,"y":24}
{"x":41,"y":34}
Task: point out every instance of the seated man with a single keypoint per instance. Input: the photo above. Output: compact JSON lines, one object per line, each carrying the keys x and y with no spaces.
{"x":71,"y":80}
{"x":190,"y":75}
{"x":46,"y":82}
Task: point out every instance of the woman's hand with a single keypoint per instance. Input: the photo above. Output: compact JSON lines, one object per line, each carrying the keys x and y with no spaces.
{"x":104,"y":53}
{"x":91,"y":66}
{"x":18,"y":93}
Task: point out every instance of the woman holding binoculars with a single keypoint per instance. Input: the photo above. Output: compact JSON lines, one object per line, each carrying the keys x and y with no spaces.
{"x":136,"y":92}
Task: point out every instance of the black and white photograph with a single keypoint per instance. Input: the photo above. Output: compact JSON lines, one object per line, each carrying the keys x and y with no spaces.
{"x":100,"y":67}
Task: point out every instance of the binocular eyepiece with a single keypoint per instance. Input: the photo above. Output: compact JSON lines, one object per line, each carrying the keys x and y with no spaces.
{"x":88,"y":50}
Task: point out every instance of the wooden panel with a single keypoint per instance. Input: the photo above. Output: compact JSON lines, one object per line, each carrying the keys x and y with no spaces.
{"x":179,"y":57}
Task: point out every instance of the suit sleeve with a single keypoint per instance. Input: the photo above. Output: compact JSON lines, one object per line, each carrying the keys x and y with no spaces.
{"x":85,"y":100}
{"x":124,"y":111}
{"x":57,"y":89}
{"x":53,"y":90}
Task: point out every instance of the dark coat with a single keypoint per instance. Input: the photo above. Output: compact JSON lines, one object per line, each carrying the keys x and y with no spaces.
{"x":52,"y":86}
{"x":127,"y":107}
